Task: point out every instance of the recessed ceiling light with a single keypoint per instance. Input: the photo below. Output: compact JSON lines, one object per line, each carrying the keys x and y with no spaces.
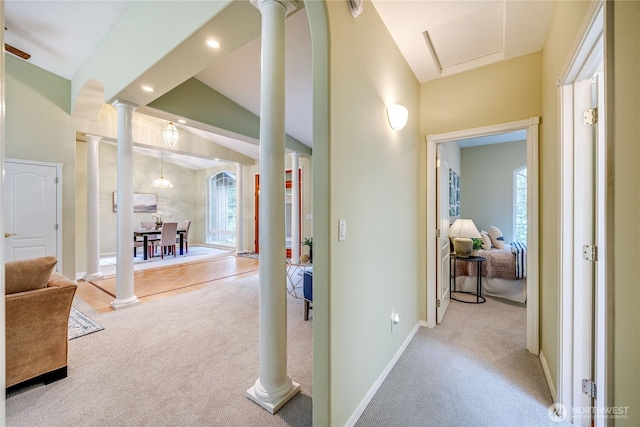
{"x":181,"y":121}
{"x":147,"y":88}
{"x":213,"y":44}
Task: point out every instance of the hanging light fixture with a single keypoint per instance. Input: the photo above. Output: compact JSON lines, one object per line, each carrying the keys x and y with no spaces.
{"x":171,"y":135}
{"x":161,"y":182}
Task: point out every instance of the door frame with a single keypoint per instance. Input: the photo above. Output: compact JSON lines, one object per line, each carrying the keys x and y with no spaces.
{"x":531,"y":127}
{"x":588,"y":52}
{"x":58,"y":167}
{"x":256,"y":208}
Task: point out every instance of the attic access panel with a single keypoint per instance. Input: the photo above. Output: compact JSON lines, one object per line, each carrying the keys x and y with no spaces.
{"x":469,"y":38}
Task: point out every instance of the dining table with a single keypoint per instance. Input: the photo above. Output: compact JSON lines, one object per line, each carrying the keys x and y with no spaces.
{"x":145,"y":233}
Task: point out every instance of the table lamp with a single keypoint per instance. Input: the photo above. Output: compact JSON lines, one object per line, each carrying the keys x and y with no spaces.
{"x":462,"y":231}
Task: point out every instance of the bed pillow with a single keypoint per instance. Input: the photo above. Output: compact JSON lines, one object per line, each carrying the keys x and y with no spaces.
{"x":486,"y":240}
{"x":497,"y":239}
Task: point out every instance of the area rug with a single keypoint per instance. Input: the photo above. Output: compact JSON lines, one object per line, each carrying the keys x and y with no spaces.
{"x":80,"y":325}
{"x":251,"y":255}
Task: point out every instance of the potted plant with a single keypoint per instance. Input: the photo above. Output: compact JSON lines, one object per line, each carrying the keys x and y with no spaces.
{"x":477,"y":245}
{"x":308,"y":241}
{"x":158,"y":217}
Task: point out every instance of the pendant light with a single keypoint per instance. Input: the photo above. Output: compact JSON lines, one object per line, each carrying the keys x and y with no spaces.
{"x":161,"y":182}
{"x":170,"y":135}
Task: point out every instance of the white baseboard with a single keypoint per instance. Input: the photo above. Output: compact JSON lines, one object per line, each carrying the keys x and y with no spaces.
{"x":372,"y":391}
{"x":547,"y":375}
{"x":424,"y":324}
{"x":80,"y":275}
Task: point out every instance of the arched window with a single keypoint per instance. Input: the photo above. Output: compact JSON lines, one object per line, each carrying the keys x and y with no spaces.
{"x":221,"y":215}
{"x":520,"y":204}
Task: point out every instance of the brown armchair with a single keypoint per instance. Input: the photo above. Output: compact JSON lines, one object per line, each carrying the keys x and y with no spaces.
{"x":38,"y":301}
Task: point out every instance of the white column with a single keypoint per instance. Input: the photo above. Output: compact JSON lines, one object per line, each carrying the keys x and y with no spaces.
{"x":239,"y":208}
{"x":125,"y":296}
{"x":274,"y":387}
{"x":295,"y":208}
{"x":93,"y":210}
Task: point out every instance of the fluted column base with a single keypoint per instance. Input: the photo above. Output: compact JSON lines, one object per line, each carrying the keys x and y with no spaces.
{"x":117,"y":304}
{"x":272,"y":401}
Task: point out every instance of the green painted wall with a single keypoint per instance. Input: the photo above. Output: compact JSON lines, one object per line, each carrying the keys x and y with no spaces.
{"x":38,"y":127}
{"x":197,"y":101}
{"x":625,"y":103}
{"x":373,"y":186}
{"x":486,"y":184}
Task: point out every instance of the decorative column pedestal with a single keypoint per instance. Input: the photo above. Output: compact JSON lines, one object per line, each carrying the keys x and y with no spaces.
{"x":274,"y":387}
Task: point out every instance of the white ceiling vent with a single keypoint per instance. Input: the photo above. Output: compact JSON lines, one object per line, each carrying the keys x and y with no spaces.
{"x":473,"y":38}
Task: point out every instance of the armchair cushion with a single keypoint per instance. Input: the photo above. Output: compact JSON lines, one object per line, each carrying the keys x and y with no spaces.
{"x":29,"y":274}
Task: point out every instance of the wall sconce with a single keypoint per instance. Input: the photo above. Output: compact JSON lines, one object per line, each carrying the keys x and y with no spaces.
{"x":171,"y":135}
{"x":397,"y":115}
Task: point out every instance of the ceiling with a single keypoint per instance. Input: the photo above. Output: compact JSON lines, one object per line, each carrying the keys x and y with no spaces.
{"x":437,"y":38}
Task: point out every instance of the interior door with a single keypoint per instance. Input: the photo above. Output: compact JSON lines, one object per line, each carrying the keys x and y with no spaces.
{"x":443,"y":270}
{"x":30,"y":209}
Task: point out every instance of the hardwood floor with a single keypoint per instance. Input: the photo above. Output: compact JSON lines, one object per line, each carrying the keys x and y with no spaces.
{"x":162,"y":282}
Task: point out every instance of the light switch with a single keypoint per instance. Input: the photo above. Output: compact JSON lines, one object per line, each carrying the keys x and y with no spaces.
{"x":342,"y":226}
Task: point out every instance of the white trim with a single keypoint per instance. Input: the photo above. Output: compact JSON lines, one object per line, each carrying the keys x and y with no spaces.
{"x":565,"y":230}
{"x":355,"y":416}
{"x":584,"y":46}
{"x":531,"y":126}
{"x":547,"y":375}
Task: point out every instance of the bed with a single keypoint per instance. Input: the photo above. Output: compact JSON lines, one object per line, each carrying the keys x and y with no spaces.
{"x":503,"y":273}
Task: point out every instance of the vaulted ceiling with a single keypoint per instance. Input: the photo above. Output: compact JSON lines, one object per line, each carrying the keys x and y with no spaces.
{"x":437,"y":38}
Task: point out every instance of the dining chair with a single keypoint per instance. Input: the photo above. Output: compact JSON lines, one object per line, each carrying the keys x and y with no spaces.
{"x":149,"y":225}
{"x":138,"y":244}
{"x":167,"y":239}
{"x":186,"y":224}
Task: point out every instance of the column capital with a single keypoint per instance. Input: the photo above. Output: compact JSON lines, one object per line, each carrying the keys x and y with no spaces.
{"x":289,"y":5}
{"x":93,"y":137}
{"x":120,"y":103}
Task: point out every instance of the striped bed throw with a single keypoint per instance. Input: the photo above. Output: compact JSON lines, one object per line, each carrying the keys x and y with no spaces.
{"x":520,"y":251}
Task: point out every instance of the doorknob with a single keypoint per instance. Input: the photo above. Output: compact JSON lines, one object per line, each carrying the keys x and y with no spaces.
{"x":9,"y":234}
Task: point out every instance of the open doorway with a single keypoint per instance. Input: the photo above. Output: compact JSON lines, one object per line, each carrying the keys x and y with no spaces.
{"x":530,"y":127}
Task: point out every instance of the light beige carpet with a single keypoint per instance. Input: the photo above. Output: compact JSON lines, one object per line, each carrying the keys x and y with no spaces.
{"x":472,"y":370}
{"x":180,"y":361}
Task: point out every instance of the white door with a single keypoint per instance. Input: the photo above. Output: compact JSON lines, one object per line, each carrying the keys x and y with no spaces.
{"x":443,"y":271}
{"x":30,"y":210}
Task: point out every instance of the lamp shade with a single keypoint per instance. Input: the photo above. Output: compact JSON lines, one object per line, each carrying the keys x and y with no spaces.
{"x":397,"y":115}
{"x":464,"y":228}
{"x":462,"y":231}
{"x":161,"y":182}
